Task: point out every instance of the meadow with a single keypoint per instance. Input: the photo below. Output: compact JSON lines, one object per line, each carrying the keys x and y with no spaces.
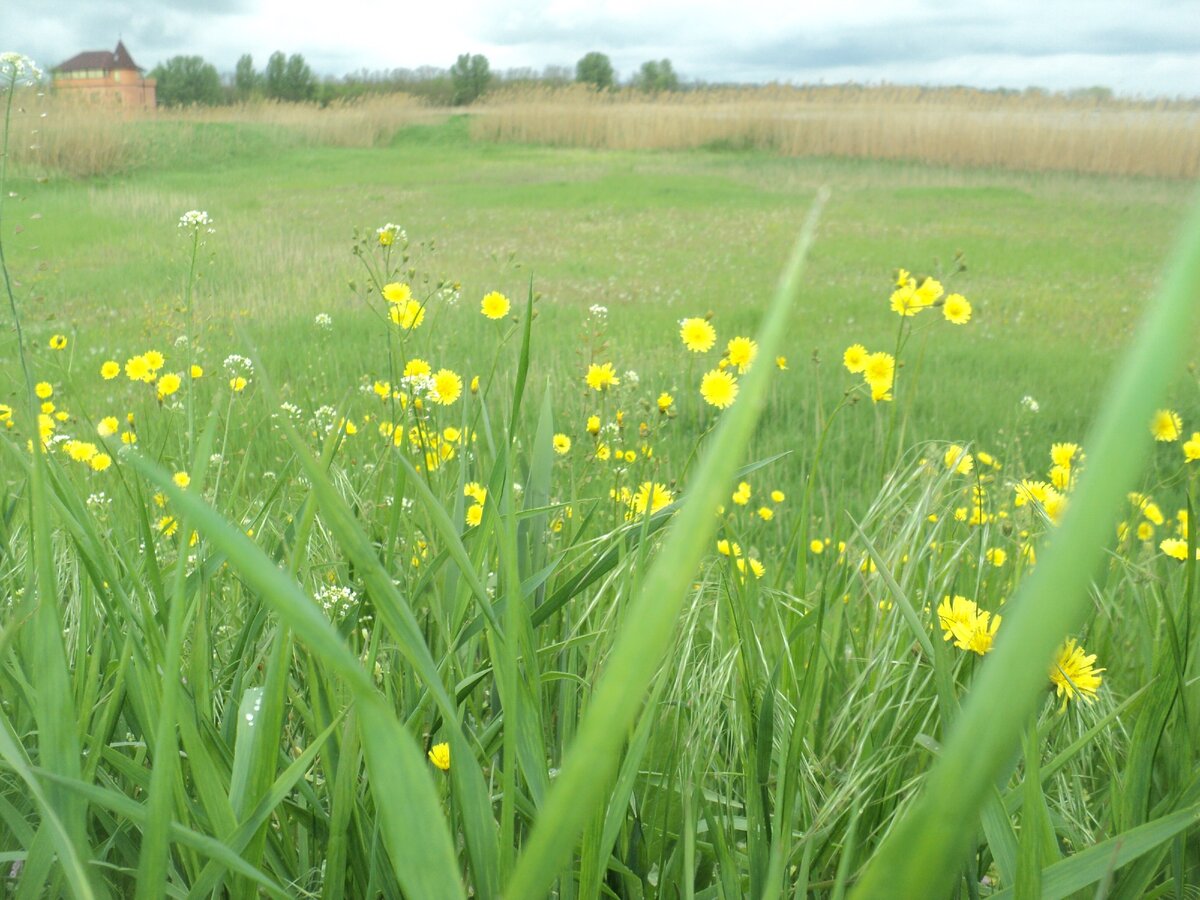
{"x":472,"y":589}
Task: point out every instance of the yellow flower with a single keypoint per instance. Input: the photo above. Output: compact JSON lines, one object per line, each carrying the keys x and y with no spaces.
{"x":957,"y":310}
{"x":1063,"y":454}
{"x":238,"y":384}
{"x":168,"y":385}
{"x":44,"y":390}
{"x":100,"y":462}
{"x":494,"y":305}
{"x":108,"y":426}
{"x":167,"y":525}
{"x":879,"y":371}
{"x":181,"y":479}
{"x":447,"y":387}
{"x":196,"y":371}
{"x":929,"y":292}
{"x":1176,"y":548}
{"x":697,"y":335}
{"x":903,"y":276}
{"x":1166,"y":425}
{"x":719,"y":389}
{"x":905,"y":301}
{"x":154,"y":359}
{"x":137,"y":368}
{"x":777,"y":496}
{"x":766,"y":513}
{"x":1074,"y":674}
{"x":781,"y":363}
{"x":955,"y":611}
{"x":408,"y":315}
{"x":110,"y":370}
{"x":855,"y":358}
{"x":416,"y":368}
{"x":650,"y":495}
{"x":600,"y":377}
{"x":959,"y":459}
{"x":474,"y":514}
{"x":58,"y":342}
{"x":996,"y":556}
{"x":666,"y":401}
{"x":475,"y":491}
{"x":397,"y":292}
{"x":128,"y":437}
{"x":439,"y":755}
{"x":742,"y":495}
{"x":741,"y":352}
{"x":1191,"y":448}
{"x":593,"y":425}
{"x":816,"y":546}
{"x":562,"y":444}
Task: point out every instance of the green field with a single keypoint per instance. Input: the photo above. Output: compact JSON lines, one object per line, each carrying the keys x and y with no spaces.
{"x":773,"y":728}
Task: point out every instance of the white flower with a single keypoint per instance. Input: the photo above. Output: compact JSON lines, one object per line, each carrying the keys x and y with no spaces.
{"x":195,"y":219}
{"x":323,"y":320}
{"x":1030,"y":404}
{"x":597,"y":311}
{"x":18,"y":69}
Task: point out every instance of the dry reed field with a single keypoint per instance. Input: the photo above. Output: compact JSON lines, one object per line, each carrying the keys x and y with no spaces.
{"x":66,"y":138}
{"x":957,"y":127}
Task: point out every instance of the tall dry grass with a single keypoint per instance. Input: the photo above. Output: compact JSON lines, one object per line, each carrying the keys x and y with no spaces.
{"x":57,"y":136}
{"x":961,"y":127}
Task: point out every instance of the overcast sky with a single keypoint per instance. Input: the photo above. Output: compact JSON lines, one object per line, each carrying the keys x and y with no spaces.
{"x":1151,"y":47}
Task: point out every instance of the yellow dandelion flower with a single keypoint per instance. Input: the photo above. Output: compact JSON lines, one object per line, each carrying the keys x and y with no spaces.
{"x":766,"y":513}
{"x":167,"y":526}
{"x":110,"y":370}
{"x":666,"y":401}
{"x":719,"y":389}
{"x":108,"y":426}
{"x":781,"y":363}
{"x":494,"y":305}
{"x":1191,"y":448}
{"x":741,"y":352}
{"x":474,"y":514}
{"x":397,"y":292}
{"x":196,"y":371}
{"x":439,"y":755}
{"x":601,"y":377}
{"x":137,"y":368}
{"x":562,"y":444}
{"x":44,"y":390}
{"x":879,"y":370}
{"x":58,"y":342}
{"x":957,"y":310}
{"x":1074,"y":673}
{"x":238,"y":384}
{"x":593,"y":425}
{"x":959,"y":459}
{"x":650,"y":496}
{"x":698,"y":335}
{"x":408,"y":314}
{"x":154,"y":359}
{"x":181,"y":479}
{"x":1166,"y":425}
{"x":742,"y":495}
{"x":100,"y":462}
{"x":168,"y":384}
{"x":777,"y":496}
{"x":447,"y":387}
{"x":996,"y":556}
{"x":905,"y":301}
{"x":816,"y":546}
{"x":855,"y":358}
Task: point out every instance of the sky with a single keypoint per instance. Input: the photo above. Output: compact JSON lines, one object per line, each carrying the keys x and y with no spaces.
{"x":1147,"y":48}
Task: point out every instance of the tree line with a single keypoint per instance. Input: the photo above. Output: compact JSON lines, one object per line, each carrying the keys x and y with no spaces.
{"x":191,"y":81}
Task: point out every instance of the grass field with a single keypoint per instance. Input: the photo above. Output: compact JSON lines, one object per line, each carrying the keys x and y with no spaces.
{"x":338,"y":614}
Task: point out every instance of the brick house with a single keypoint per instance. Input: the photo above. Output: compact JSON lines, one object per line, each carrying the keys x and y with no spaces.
{"x":98,"y":76}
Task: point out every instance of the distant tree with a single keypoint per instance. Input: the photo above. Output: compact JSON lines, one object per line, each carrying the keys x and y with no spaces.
{"x":299,"y":82}
{"x":558,"y":75}
{"x":470,"y":76}
{"x":655,"y":76}
{"x":274,"y":76}
{"x":595,"y":69}
{"x":246,"y":81}
{"x":187,"y":80}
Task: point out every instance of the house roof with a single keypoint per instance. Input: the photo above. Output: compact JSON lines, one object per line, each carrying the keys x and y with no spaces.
{"x":99,"y":59}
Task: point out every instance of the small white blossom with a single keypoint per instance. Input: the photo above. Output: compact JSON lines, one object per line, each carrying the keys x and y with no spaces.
{"x":597,"y":311}
{"x":323,"y":320}
{"x":1030,"y":404}
{"x":19,"y":70}
{"x":195,"y":219}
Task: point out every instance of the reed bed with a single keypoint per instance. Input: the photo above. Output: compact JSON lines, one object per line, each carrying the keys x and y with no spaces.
{"x":54,"y":136}
{"x":1027,"y":131}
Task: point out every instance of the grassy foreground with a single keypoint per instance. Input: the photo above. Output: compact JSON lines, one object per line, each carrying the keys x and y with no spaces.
{"x":397,"y":600}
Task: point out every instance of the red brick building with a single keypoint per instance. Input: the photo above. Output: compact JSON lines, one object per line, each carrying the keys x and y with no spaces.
{"x":98,"y":76}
